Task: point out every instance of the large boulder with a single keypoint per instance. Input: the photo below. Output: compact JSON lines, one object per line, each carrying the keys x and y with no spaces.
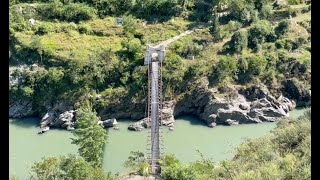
{"x":109,"y":123}
{"x":295,"y":90}
{"x":240,"y":116}
{"x":64,"y":120}
{"x":20,"y":109}
{"x":167,"y":113}
{"x":48,"y":119}
{"x":255,"y":92}
{"x":140,"y":125}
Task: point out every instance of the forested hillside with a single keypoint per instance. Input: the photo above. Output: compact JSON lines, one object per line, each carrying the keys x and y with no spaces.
{"x":71,"y":51}
{"x":246,"y":61}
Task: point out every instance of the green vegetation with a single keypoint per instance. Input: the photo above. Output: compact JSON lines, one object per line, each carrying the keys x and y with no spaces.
{"x":284,"y":154}
{"x":91,"y":137}
{"x":82,"y":53}
{"x":67,"y":167}
{"x":83,"y":56}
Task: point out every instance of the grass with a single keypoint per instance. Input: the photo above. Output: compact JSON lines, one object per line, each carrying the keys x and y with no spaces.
{"x":72,"y":45}
{"x":303,"y":17}
{"x":105,"y":27}
{"x":156,"y":33}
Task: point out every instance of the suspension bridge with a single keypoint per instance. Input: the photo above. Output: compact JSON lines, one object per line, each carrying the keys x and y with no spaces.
{"x":154,"y":59}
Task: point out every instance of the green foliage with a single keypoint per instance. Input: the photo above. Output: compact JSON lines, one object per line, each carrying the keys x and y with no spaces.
{"x":294,"y":2}
{"x":137,"y":162}
{"x":242,"y":11}
{"x":239,"y":41}
{"x":172,"y":74}
{"x":233,"y":26}
{"x":284,"y":154}
{"x":178,"y":172}
{"x":85,"y":28}
{"x":91,"y":137}
{"x":215,"y":25}
{"x":266,"y":11}
{"x":257,"y":64}
{"x":48,"y":169}
{"x":27,"y":91}
{"x":67,"y":167}
{"x":131,"y":26}
{"x":135,"y":159}
{"x":13,"y":178}
{"x":282,"y":28}
{"x":225,"y":68}
{"x":144,"y":169}
{"x":132,"y":49}
{"x":69,"y":12}
{"x":258,"y":32}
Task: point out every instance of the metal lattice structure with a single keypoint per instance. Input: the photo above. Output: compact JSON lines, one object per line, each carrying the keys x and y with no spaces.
{"x":153,"y":58}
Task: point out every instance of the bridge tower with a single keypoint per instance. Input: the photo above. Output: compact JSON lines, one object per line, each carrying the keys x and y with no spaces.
{"x":154,"y":57}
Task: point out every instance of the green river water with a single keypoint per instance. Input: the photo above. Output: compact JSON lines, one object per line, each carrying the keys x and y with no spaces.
{"x":26,"y":146}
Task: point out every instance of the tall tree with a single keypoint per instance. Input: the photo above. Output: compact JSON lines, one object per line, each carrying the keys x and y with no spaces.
{"x":214,"y":29}
{"x":91,"y":137}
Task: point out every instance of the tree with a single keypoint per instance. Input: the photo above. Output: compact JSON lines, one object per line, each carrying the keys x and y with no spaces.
{"x":47,"y":169}
{"x":215,"y":25}
{"x":131,"y":26}
{"x":137,"y":162}
{"x":178,"y":172}
{"x":258,"y":33}
{"x":225,"y":68}
{"x":174,"y":170}
{"x":256,"y":64}
{"x":282,"y":28}
{"x":266,"y":11}
{"x":67,"y":167}
{"x":239,"y":41}
{"x":91,"y":137}
{"x":242,"y":11}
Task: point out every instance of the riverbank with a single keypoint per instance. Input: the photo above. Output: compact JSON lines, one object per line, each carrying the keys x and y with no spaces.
{"x":26,"y":146}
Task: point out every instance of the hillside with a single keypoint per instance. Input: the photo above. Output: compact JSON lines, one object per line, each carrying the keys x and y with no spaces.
{"x":64,"y":53}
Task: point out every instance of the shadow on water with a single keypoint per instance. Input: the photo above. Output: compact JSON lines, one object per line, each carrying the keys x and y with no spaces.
{"x":26,"y":122}
{"x":193,"y":120}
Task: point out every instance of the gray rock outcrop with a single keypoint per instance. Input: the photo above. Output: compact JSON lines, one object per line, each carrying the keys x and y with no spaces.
{"x":252,"y":105}
{"x":295,"y":90}
{"x":109,"y":123}
{"x":140,"y":125}
{"x":64,"y":120}
{"x":20,"y":109}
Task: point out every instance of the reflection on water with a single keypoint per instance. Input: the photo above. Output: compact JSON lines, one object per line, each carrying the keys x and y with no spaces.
{"x":26,"y":146}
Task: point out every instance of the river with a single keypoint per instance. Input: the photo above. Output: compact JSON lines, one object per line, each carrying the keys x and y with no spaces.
{"x":26,"y":146}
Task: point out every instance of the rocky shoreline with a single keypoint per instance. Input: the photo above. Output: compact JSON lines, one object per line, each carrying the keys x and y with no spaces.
{"x":231,"y":110}
{"x":236,"y":106}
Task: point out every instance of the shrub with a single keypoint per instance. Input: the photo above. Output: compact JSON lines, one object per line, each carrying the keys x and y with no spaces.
{"x":70,"y":12}
{"x":306,"y":25}
{"x":258,"y":33}
{"x":226,"y":67}
{"x":192,"y":49}
{"x":233,"y":26}
{"x":178,"y":172}
{"x":294,"y":2}
{"x":239,"y":41}
{"x":44,"y":28}
{"x":285,"y":43}
{"x":242,"y":11}
{"x":266,"y":11}
{"x":131,"y":26}
{"x":85,"y":28}
{"x":256,"y":64}
{"x":282,"y":28}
